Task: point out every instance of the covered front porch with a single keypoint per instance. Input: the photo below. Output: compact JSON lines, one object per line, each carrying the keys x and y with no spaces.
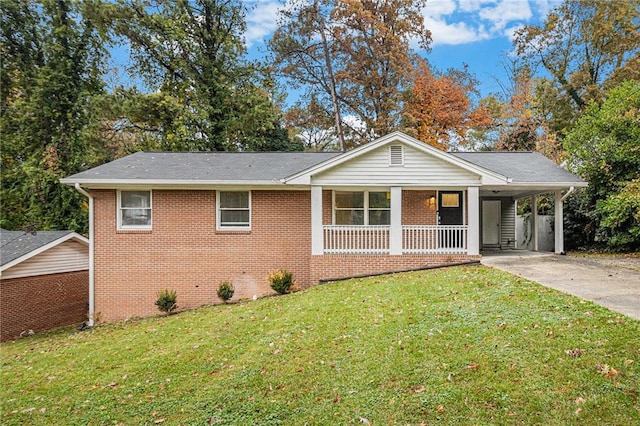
{"x":418,"y":221}
{"x":395,"y":221}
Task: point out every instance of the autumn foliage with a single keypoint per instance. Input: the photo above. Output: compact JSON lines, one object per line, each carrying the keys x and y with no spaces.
{"x":439,"y":108}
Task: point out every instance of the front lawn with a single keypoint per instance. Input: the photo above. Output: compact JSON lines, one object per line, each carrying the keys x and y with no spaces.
{"x":464,"y":345}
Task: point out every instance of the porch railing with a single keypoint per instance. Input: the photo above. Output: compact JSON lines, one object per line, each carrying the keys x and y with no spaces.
{"x":350,"y":239}
{"x":434,"y":239}
{"x":416,"y":239}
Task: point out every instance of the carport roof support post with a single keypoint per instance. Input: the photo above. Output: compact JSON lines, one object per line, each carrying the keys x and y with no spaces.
{"x":558,"y":217}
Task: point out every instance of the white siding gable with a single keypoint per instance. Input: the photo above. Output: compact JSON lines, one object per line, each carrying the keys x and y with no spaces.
{"x":419,"y":169}
{"x":65,"y":257}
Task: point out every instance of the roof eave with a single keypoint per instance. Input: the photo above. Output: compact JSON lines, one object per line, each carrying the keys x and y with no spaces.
{"x":121,"y":183}
{"x":581,"y":184}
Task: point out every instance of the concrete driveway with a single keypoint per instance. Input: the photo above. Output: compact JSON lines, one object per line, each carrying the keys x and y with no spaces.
{"x":612,"y":282}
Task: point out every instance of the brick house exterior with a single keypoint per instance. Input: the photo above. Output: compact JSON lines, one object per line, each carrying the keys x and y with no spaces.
{"x":188,"y":221}
{"x":44,"y":281}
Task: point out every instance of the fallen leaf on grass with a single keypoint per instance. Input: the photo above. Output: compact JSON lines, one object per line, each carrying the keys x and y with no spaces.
{"x":473,"y":366}
{"x":418,"y":389}
{"x":574,"y":353}
{"x":159,"y":421}
{"x":606,"y":370}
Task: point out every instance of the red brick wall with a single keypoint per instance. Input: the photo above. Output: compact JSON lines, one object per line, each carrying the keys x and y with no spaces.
{"x":184,"y":251}
{"x":416,"y":209}
{"x":42,"y":302}
{"x":338,"y":266}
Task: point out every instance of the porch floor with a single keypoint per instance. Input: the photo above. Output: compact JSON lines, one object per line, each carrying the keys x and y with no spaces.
{"x":489,"y":253}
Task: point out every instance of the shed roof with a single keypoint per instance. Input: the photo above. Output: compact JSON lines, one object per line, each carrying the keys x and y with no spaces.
{"x":16,"y":244}
{"x":521,"y":167}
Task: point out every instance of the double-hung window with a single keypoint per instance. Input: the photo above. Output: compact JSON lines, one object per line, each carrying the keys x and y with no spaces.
{"x":362,"y":208}
{"x":234,"y":210}
{"x":134,"y":209}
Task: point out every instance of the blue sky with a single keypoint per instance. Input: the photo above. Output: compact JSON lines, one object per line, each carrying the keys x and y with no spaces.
{"x":475,"y":32}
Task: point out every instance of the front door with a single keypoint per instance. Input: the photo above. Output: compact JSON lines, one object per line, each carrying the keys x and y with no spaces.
{"x":491,"y":223}
{"x":450,"y":213}
{"x":450,"y":208}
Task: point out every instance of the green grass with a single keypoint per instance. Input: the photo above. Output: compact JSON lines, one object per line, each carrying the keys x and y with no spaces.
{"x":465,"y":345}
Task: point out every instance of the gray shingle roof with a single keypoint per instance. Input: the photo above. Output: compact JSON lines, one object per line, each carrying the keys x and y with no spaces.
{"x":205,"y":166}
{"x":521,"y":167}
{"x":16,"y":244}
{"x":271,"y":167}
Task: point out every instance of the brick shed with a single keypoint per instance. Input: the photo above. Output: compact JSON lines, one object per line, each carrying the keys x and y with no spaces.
{"x":44,"y":281}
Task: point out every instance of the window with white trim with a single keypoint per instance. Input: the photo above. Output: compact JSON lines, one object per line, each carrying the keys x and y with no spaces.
{"x":361,"y":208}
{"x":233,"y":210}
{"x":134,"y":209}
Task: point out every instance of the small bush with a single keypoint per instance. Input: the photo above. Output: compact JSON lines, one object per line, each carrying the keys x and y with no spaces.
{"x":281,"y":281}
{"x":166,"y":301}
{"x":225,"y":291}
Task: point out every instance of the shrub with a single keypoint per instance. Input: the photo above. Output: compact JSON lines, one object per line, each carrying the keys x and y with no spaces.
{"x":225,"y":291}
{"x":166,"y":301}
{"x":281,"y":281}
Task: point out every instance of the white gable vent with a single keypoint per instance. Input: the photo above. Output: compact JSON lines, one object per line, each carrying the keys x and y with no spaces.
{"x":396,"y":155}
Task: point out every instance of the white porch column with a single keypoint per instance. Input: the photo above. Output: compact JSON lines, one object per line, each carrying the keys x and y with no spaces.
{"x":473,"y":231}
{"x":317,"y":236}
{"x":559,"y":229}
{"x":395,"y":229}
{"x":534,"y":221}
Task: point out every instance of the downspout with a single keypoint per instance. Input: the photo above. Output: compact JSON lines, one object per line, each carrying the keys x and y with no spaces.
{"x":91,"y":249}
{"x":564,"y":197}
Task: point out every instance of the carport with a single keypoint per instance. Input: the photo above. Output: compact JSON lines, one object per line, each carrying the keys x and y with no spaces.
{"x":530,"y":174}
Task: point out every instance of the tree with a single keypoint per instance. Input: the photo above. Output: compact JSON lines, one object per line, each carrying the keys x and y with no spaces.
{"x":439,"y":110}
{"x":353,"y":57}
{"x":193,"y":51}
{"x":604,"y":150}
{"x":373,"y":39}
{"x":587,"y":46}
{"x":52,"y":56}
{"x":306,"y":121}
{"x":304,"y":51}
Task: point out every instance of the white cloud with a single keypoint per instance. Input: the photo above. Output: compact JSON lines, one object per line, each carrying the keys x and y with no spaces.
{"x":454,"y":33}
{"x":473,"y":5}
{"x":261,"y":19}
{"x":453,"y":22}
{"x":505,"y":12}
{"x":437,"y":8}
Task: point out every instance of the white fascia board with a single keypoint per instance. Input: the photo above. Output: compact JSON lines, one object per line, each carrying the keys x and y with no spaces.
{"x":304,"y":177}
{"x":170,"y":183}
{"x":534,"y":186}
{"x":70,"y":236}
